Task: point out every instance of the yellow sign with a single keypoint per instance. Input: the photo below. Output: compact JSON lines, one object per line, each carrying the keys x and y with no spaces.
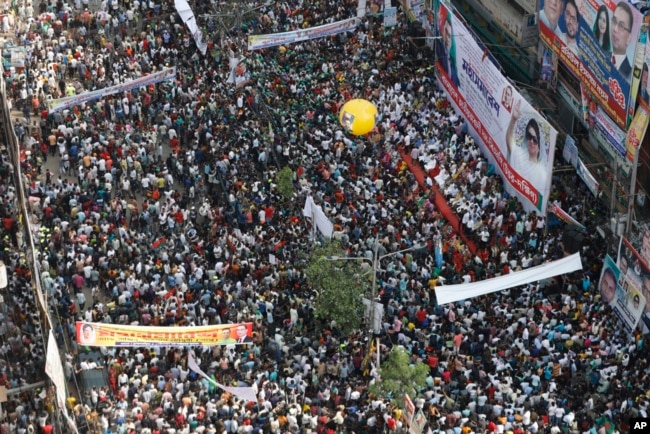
{"x":116,"y":335}
{"x":637,"y":130}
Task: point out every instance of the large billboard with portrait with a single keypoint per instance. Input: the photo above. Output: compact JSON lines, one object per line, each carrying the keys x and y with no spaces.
{"x":635,"y":269}
{"x":512,"y":134}
{"x":626,"y":300}
{"x":597,"y":41}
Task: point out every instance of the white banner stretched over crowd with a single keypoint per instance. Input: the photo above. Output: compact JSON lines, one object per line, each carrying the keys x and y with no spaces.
{"x":70,"y":101}
{"x":54,"y":370}
{"x":452,"y":293}
{"x":258,"y":42}
{"x":318,"y":217}
{"x":187,"y":15}
{"x":245,"y":393}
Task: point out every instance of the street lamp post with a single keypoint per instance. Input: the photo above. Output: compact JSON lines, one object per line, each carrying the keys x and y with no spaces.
{"x":376,"y":260}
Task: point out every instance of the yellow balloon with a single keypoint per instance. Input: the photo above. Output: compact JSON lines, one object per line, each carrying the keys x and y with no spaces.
{"x":358,"y":116}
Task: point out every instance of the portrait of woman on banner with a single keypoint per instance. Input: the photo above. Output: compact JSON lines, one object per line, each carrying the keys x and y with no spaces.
{"x":601,"y":29}
{"x":525,"y":150}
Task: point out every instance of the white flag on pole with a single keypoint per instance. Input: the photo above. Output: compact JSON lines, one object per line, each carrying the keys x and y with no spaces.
{"x":316,"y":213}
{"x":187,"y":15}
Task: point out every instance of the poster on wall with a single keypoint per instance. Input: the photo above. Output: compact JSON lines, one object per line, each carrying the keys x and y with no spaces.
{"x":548,"y":74}
{"x":639,"y":61}
{"x":626,"y":300}
{"x":597,"y":41}
{"x":635,"y":273}
{"x":636,"y":131}
{"x":390,"y":17}
{"x":514,"y":136}
{"x":585,"y":174}
{"x":599,"y":122}
{"x":570,"y":151}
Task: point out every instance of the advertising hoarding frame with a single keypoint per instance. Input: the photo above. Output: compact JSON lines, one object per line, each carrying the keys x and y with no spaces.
{"x":501,"y":118}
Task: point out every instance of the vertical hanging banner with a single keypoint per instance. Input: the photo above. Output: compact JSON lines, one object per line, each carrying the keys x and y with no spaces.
{"x":187,"y":15}
{"x":635,"y":270}
{"x":390,"y":17}
{"x":626,"y":300}
{"x":318,"y":217}
{"x":643,"y":94}
{"x":549,"y":67}
{"x":637,"y":131}
{"x":585,"y":174}
{"x":639,"y":61}
{"x":54,"y":370}
{"x":597,"y":41}
{"x":510,"y":132}
{"x":570,"y":151}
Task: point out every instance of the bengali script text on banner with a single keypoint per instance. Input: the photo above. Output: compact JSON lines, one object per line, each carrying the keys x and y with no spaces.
{"x":599,"y":48}
{"x":257,"y":42}
{"x":513,"y":135}
{"x":116,"y":335}
{"x":145,"y":80}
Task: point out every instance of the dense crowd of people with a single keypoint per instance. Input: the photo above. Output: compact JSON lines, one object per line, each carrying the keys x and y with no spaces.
{"x":165,"y":210}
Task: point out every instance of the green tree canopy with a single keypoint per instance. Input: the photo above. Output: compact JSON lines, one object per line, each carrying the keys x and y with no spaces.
{"x":284,"y":182}
{"x":338,"y":285}
{"x":399,"y":376}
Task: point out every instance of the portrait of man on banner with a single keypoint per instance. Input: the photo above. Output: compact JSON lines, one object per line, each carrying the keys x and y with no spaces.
{"x":570,"y":36}
{"x":87,"y":336}
{"x":550,"y":13}
{"x":445,"y":47}
{"x":608,"y":284}
{"x":242,"y":334}
{"x":622,"y":26}
{"x":597,"y":41}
